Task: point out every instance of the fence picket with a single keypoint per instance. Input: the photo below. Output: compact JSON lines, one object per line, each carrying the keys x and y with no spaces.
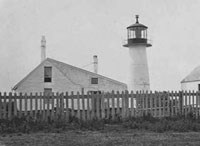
{"x":62,"y":106}
{"x":103,"y":106}
{"x":118,"y":104}
{"x":93,"y":98}
{"x":123,"y":104}
{"x":31,"y":104}
{"x":197,"y":105}
{"x":1,"y":105}
{"x":132,"y":104}
{"x":97,"y":105}
{"x":108,"y":106}
{"x":72,"y":104}
{"x":189,"y":102}
{"x":36,"y":105}
{"x":43,"y":100}
{"x":88,"y":106}
{"x":83,"y":105}
{"x":25,"y":102}
{"x":20,"y":104}
{"x":52,"y":106}
{"x":175,"y":103}
{"x":193,"y":93}
{"x":66,"y":107}
{"x":151,"y":103}
{"x":9,"y":106}
{"x":78,"y":106}
{"x":48,"y":98}
{"x":113,"y":105}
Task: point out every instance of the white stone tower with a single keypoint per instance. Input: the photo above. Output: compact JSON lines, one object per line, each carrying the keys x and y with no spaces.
{"x":137,"y":43}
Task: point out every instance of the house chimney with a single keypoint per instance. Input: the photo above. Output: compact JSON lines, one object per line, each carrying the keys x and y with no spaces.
{"x":43,"y":48}
{"x":95,"y":59}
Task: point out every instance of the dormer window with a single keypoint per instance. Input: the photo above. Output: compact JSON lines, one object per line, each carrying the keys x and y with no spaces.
{"x":94,"y":80}
{"x":47,"y":74}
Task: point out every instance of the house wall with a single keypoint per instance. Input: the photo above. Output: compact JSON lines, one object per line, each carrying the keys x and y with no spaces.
{"x":75,"y":80}
{"x":190,"y":85}
{"x":35,"y":81}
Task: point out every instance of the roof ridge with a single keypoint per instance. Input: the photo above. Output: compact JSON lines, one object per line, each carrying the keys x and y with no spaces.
{"x":50,"y":59}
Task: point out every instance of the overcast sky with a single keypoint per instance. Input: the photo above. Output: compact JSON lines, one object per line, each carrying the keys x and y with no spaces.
{"x":76,"y":30}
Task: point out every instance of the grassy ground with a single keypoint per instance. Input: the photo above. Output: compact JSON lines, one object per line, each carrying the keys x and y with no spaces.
{"x":112,"y":136}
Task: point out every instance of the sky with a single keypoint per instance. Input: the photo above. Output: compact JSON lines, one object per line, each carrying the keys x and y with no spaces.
{"x":76,"y":30}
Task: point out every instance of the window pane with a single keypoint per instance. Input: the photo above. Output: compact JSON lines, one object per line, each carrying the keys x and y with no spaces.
{"x":47,"y":74}
{"x":94,"y":81}
{"x":47,"y":71}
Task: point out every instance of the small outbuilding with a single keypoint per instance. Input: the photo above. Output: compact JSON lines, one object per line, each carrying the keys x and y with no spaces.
{"x":192,"y":81}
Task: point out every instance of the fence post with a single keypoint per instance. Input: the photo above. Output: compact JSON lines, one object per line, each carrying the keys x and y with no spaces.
{"x":123,"y":105}
{"x":103,"y":106}
{"x":83,"y":105}
{"x":31,"y":104}
{"x":98,"y":105}
{"x":10,"y":106}
{"x":52,"y":106}
{"x":181,"y":102}
{"x":1,"y":97}
{"x":108,"y":105}
{"x":15,"y":104}
{"x":118,"y":104}
{"x":78,"y":106}
{"x":132,"y":104}
{"x":66,"y":107}
{"x":197,"y":105}
{"x":93,"y":105}
{"x":88,"y":106}
{"x":113,"y":105}
{"x":138,"y":104}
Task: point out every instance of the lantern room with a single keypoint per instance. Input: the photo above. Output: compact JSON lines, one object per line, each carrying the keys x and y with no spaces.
{"x":137,"y":34}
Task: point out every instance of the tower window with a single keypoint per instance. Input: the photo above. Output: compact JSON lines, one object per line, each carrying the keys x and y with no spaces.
{"x":47,"y":74}
{"x":94,"y":80}
{"x":198,"y":87}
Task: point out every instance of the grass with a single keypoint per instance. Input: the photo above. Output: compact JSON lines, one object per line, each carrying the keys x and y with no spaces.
{"x":145,"y":130}
{"x":112,"y":135}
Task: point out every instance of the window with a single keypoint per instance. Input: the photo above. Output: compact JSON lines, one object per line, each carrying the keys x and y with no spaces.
{"x":94,"y":80}
{"x":47,"y":93}
{"x":198,"y":87}
{"x":94,"y":92}
{"x":47,"y":74}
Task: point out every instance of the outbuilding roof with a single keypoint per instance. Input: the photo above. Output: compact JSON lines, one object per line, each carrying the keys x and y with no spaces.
{"x":63,"y":68}
{"x":193,"y":76}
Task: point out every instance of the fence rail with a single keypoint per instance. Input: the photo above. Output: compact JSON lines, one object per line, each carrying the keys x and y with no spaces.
{"x":88,"y":106}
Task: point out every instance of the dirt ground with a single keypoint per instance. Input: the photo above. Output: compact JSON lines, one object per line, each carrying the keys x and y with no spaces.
{"x":111,"y":136}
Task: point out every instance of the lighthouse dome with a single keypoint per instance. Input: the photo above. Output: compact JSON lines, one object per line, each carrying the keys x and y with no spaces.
{"x":137,"y":25}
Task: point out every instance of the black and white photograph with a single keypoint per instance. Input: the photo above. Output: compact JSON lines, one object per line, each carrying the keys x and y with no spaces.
{"x":99,"y":73}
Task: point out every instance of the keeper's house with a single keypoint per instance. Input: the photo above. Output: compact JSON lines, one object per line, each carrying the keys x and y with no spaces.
{"x":54,"y":76}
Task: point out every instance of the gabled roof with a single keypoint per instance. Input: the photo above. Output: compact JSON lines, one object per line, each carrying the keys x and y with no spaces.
{"x":193,"y":76}
{"x":63,"y":67}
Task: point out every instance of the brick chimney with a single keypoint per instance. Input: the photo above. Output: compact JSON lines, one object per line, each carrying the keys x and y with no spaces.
{"x":43,"y":48}
{"x":95,"y":59}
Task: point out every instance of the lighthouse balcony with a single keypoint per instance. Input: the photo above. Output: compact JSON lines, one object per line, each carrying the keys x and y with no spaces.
{"x":137,"y":41}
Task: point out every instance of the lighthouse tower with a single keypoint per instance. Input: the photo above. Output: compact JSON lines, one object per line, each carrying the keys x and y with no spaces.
{"x":137,"y":43}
